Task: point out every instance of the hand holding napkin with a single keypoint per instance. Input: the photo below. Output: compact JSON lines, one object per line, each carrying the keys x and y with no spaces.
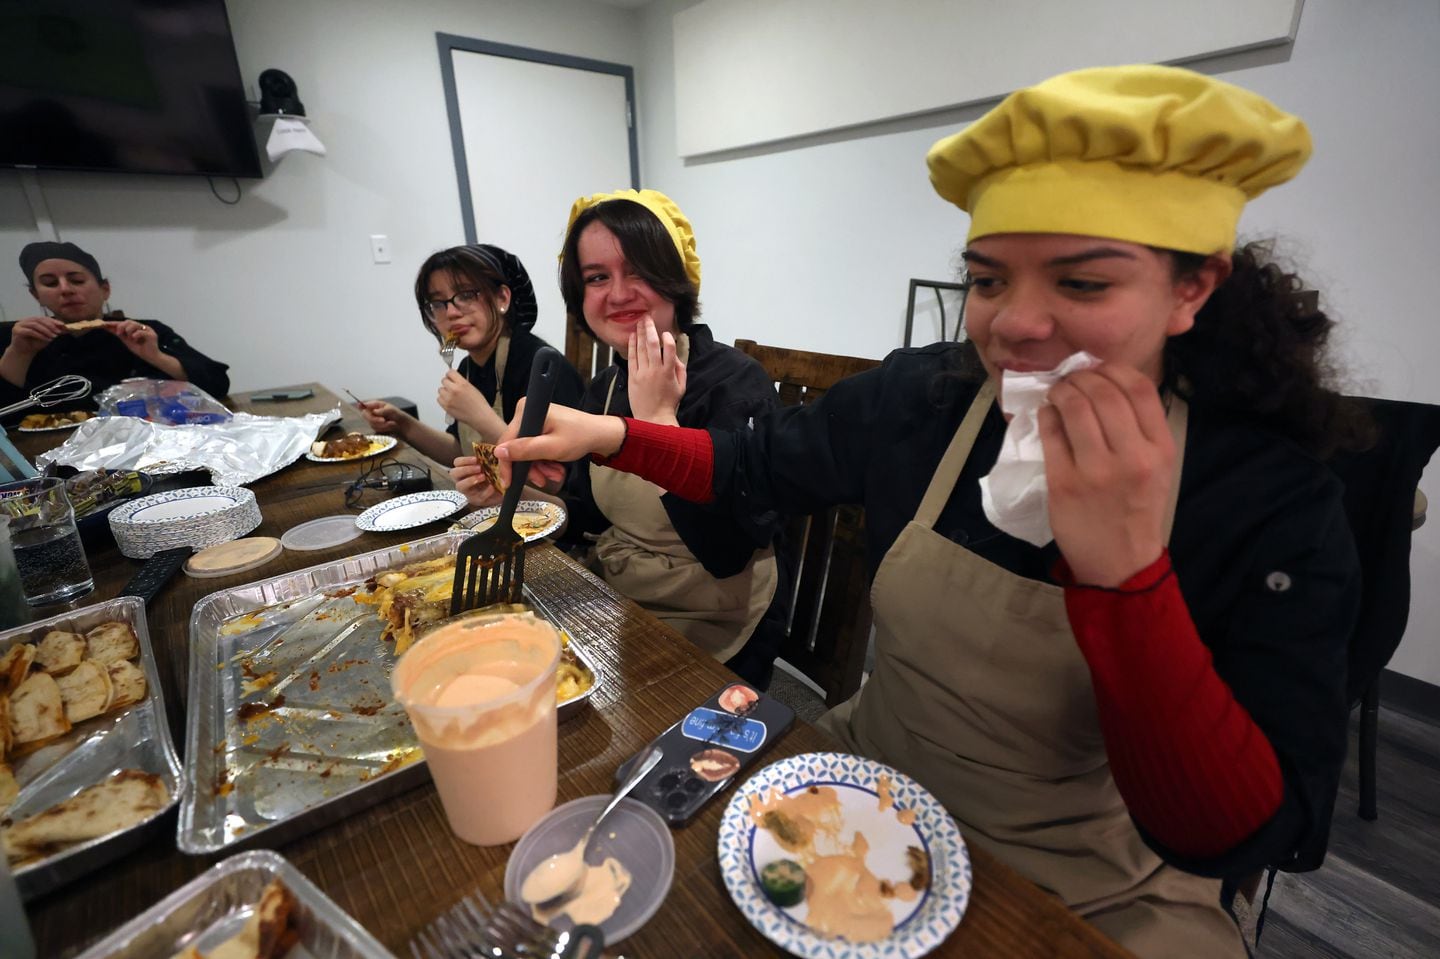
{"x":1015,"y":496}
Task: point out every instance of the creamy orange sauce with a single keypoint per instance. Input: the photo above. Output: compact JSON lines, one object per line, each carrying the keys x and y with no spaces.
{"x":842,"y":896}
{"x":600,"y":893}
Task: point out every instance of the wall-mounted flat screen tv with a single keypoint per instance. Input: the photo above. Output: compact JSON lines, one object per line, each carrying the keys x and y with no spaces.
{"x":132,"y":86}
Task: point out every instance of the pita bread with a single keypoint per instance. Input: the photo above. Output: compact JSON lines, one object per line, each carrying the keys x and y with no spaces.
{"x":127,"y":684}
{"x":490,"y":463}
{"x":9,"y":788}
{"x":127,"y":798}
{"x":85,"y":691}
{"x":37,"y":712}
{"x":112,"y":642}
{"x":59,"y":652}
{"x":15,"y":665}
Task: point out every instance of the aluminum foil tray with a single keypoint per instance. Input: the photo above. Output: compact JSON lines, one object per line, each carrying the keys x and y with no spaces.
{"x":290,"y":721}
{"x":137,"y":737}
{"x":214,"y":906}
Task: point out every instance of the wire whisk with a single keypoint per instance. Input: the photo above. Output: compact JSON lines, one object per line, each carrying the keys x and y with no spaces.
{"x":473,"y":927}
{"x":68,"y":387}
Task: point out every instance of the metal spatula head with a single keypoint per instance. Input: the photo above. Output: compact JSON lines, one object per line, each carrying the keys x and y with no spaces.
{"x":490,"y":566}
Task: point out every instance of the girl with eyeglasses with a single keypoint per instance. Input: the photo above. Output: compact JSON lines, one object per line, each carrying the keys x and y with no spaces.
{"x":481,"y":298}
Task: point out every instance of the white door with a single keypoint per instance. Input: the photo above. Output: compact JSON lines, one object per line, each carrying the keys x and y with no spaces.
{"x":535,"y":137}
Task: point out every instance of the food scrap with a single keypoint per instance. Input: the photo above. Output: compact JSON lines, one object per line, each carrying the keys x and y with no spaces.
{"x":269,"y":933}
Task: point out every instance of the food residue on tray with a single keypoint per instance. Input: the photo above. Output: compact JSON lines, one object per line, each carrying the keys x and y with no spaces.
{"x":249,"y":687}
{"x":242,"y":624}
{"x":249,"y":711}
{"x":843,"y":896}
{"x":269,"y":933}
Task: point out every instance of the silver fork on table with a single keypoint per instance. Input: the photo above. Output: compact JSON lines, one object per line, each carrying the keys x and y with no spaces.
{"x":473,"y":927}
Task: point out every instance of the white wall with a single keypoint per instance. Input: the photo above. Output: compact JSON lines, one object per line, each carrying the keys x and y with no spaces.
{"x":812,"y":245}
{"x":282,"y":286}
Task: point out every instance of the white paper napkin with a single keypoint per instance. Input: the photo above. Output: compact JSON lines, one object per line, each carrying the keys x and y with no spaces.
{"x":1014,"y":495}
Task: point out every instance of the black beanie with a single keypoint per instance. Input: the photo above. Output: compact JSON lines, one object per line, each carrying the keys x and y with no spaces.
{"x":36,"y":253}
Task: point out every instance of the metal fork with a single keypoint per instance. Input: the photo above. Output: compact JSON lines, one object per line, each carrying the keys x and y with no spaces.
{"x":473,"y":927}
{"x":447,"y":350}
{"x":490,"y":566}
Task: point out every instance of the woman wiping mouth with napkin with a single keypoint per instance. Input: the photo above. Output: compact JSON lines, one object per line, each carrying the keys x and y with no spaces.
{"x":1155,"y":695}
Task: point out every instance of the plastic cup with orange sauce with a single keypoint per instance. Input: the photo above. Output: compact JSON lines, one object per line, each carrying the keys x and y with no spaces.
{"x":481,"y":695}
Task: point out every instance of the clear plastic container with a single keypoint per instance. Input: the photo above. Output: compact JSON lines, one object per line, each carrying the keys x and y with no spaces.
{"x":321,"y":533}
{"x":633,"y":834}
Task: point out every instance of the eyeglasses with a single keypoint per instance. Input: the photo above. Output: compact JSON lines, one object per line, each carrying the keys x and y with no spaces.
{"x":463,"y":301}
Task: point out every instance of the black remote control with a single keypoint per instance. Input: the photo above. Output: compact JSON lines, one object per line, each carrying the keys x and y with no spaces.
{"x":156,"y":573}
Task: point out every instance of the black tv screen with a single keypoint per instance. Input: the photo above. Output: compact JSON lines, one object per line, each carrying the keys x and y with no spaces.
{"x":135,"y":86}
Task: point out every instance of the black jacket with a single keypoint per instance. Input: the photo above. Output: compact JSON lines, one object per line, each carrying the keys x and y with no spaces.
{"x":523,"y":347}
{"x":104,"y":361}
{"x":724,"y":390}
{"x":1250,"y":503}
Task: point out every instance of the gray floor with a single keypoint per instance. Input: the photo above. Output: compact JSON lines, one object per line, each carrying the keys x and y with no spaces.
{"x":1378,"y":894}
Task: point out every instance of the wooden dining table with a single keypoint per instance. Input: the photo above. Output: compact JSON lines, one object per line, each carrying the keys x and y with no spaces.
{"x":395,"y":866}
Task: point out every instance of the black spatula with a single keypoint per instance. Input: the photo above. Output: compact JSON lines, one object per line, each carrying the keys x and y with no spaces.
{"x":490,"y":566}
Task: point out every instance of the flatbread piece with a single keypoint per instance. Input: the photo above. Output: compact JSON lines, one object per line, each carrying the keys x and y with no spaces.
{"x":59,"y":652}
{"x":129,"y":797}
{"x":85,"y":691}
{"x":127,"y":684}
{"x":37,"y":711}
{"x":112,"y":642}
{"x":490,"y":463}
{"x":15,"y":665}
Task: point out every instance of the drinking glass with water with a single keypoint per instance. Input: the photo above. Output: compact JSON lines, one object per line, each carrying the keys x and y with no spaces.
{"x":52,"y":563}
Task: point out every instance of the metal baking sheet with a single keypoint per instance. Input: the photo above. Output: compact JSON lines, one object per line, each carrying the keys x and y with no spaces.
{"x":215,"y":905}
{"x":137,"y":737}
{"x":333,"y":741}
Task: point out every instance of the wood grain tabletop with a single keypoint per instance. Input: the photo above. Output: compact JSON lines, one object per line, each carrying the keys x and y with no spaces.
{"x":396,"y":865}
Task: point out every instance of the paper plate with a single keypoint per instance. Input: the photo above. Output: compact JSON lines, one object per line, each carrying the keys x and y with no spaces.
{"x":196,"y":517}
{"x":51,"y":429}
{"x":920,"y":926}
{"x":414,"y":509}
{"x":378,"y":445}
{"x":534,"y":519}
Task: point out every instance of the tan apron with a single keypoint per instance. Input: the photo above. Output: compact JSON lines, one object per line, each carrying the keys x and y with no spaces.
{"x":642,"y":557}
{"x":468,"y":435}
{"x":981,"y":693}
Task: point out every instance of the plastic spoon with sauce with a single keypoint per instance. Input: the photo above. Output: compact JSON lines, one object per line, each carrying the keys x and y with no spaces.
{"x":560,"y":876}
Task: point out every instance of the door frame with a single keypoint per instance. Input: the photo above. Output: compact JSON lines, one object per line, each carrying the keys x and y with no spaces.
{"x":449,"y":42}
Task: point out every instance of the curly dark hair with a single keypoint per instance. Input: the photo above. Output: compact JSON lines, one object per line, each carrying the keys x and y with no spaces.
{"x":1260,"y":348}
{"x":647,"y":247}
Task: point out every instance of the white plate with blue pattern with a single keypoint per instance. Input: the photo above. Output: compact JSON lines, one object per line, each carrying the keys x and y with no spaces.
{"x":414,"y":509}
{"x":743,"y":849}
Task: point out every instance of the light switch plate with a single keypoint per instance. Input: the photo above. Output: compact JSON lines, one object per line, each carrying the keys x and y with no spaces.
{"x":380,"y":248}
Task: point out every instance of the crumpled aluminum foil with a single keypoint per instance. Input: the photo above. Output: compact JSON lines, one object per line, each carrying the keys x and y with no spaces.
{"x":235,"y":453}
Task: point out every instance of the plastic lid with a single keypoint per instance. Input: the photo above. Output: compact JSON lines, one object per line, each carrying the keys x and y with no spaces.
{"x":321,"y":533}
{"x":634,"y":834}
{"x":236,"y":556}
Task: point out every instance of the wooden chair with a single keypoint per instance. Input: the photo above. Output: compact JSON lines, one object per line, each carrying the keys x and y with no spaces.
{"x":829,"y":626}
{"x":588,"y":355}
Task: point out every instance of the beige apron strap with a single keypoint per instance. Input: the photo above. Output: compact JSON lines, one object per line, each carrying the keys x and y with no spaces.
{"x":942,"y":484}
{"x":1178,"y":418}
{"x":502,"y":356}
{"x":609,"y":392}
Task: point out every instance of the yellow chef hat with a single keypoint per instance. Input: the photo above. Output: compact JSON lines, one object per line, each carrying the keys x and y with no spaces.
{"x":1154,"y":155}
{"x":665,"y":210}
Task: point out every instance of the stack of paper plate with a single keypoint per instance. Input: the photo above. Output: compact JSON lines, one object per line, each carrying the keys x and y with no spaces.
{"x":198,"y":517}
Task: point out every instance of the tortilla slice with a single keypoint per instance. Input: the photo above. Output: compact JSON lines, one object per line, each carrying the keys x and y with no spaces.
{"x":84,"y":326}
{"x":37,"y":712}
{"x":112,"y":642}
{"x":85,"y":691}
{"x":125,"y":799}
{"x":127,"y":684}
{"x":15,"y":665}
{"x":9,"y":788}
{"x":267,"y":933}
{"x":59,"y":652}
{"x":490,"y":463}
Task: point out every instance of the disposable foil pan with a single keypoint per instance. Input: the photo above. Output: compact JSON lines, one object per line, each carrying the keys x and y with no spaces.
{"x":137,"y":737}
{"x":290,"y":721}
{"x":214,"y":906}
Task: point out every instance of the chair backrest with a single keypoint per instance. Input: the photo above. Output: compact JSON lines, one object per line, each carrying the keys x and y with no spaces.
{"x":829,"y":627}
{"x":1380,"y":487}
{"x":587,"y":354}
